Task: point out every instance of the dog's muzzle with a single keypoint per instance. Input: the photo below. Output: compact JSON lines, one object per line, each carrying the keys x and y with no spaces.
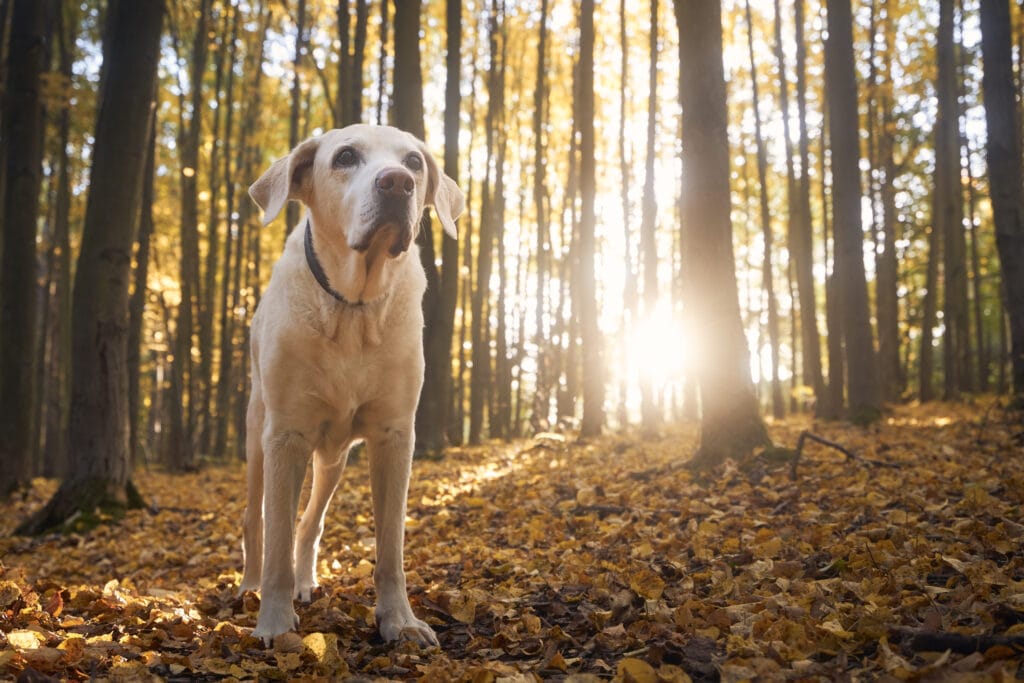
{"x":395,"y":194}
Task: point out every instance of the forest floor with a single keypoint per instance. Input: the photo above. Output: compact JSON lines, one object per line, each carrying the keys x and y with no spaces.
{"x":551,"y":559}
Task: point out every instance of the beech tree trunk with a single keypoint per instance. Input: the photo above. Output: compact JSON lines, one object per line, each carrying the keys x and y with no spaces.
{"x":586,"y":292}
{"x":23,"y":135}
{"x":851,"y":283}
{"x":98,"y":431}
{"x":650,"y":415}
{"x":802,"y":243}
{"x":730,"y":423}
{"x":768,"y":276}
{"x":948,"y":213}
{"x":1004,"y":164}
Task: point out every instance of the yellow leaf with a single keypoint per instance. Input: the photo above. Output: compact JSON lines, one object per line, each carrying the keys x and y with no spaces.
{"x":462,"y":607}
{"x":25,"y":639}
{"x":633,"y":670}
{"x":647,"y":584}
{"x":835,"y":628}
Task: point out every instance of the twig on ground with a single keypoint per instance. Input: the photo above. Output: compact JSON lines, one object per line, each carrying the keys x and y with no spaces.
{"x":850,"y":455}
{"x":940,"y":641}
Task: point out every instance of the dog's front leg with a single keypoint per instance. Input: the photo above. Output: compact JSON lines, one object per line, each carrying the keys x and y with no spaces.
{"x":390,"y":456}
{"x":286,"y":456}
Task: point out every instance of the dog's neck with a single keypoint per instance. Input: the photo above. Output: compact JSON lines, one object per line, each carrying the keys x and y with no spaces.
{"x":350,"y":277}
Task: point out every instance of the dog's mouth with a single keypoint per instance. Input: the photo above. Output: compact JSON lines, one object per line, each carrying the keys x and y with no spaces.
{"x":391,"y":237}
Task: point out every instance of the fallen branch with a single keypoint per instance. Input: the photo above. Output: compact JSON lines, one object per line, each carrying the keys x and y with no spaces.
{"x":850,"y":455}
{"x":940,"y":641}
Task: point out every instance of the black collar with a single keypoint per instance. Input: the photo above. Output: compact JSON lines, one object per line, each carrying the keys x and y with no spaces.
{"x":318,"y":271}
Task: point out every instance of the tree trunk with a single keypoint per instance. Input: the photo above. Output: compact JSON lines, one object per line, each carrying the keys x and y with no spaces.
{"x":948,"y":212}
{"x":218,"y":146}
{"x":650,"y":415}
{"x":23,"y":126}
{"x":1004,"y":163}
{"x":586,"y":293}
{"x":730,"y":423}
{"x":449,"y":245}
{"x":58,"y":360}
{"x":480,"y":374}
{"x":851,"y":283}
{"x":407,"y":114}
{"x":768,"y":276}
{"x":890,"y":368}
{"x":301,"y":39}
{"x":343,"y":99}
{"x":803,"y":241}
{"x":137,"y":303}
{"x":98,"y":432}
{"x":382,"y":70}
{"x":181,"y":455}
{"x":541,"y":396}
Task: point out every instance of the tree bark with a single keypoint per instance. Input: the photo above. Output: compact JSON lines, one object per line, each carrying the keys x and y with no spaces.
{"x":803,"y":240}
{"x":650,"y":415}
{"x":586,"y":292}
{"x":481,"y":373}
{"x":539,"y":419}
{"x":301,"y":39}
{"x":98,"y":432}
{"x":23,"y":126}
{"x":1004,"y":163}
{"x":137,"y":302}
{"x":948,"y":212}
{"x":890,"y":368}
{"x":768,"y":276}
{"x":730,"y":423}
{"x":851,"y":283}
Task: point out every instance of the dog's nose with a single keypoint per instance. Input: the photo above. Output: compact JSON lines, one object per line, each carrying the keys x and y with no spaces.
{"x":395,"y":182}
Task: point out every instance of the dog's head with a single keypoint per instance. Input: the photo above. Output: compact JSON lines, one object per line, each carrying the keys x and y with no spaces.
{"x":372,"y":182}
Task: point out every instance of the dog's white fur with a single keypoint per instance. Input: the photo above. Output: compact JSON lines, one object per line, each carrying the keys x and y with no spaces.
{"x":326,"y":374}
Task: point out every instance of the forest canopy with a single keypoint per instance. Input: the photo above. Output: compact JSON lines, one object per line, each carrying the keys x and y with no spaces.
{"x":578,"y":263}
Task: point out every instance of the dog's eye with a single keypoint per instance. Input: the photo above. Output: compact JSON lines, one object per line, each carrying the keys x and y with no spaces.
{"x":414,"y":162}
{"x":346,"y":158}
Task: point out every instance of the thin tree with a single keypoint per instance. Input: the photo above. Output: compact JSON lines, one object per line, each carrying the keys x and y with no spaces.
{"x":407,"y":114}
{"x":649,"y":413}
{"x":59,"y":342}
{"x":802,"y":243}
{"x":98,"y":431}
{"x":768,"y":276}
{"x":1004,"y":164}
{"x":480,"y":372}
{"x":948,"y":212}
{"x":140,"y":293}
{"x":890,"y":369}
{"x":851,"y":283}
{"x":294,"y":133}
{"x":585,"y":294}
{"x":23,"y":134}
{"x":730,"y":423}
{"x":541,"y":395}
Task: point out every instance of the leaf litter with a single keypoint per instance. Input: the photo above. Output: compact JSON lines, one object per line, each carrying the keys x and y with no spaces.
{"x":554,"y":559}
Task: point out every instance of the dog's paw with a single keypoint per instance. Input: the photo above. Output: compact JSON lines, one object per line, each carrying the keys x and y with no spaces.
{"x":304,"y":590}
{"x":273,"y":622}
{"x":405,"y":626}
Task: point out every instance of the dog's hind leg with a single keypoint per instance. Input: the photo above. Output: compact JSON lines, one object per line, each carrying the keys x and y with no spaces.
{"x":328,"y":466}
{"x":286,"y":453}
{"x":252,"y":531}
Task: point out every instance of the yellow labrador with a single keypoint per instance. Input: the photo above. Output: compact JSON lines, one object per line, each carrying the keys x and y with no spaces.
{"x":337,"y":357}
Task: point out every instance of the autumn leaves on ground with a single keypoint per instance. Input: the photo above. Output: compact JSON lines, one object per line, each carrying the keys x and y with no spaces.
{"x":549,"y":558}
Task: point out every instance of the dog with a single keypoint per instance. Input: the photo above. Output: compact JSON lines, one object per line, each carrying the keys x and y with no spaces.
{"x":337,"y":358}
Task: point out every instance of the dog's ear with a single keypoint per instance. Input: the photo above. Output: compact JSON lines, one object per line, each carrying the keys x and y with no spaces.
{"x":287,"y":178}
{"x":444,"y":195}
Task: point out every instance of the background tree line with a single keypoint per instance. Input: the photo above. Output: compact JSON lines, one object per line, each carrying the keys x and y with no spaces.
{"x":675,"y":209}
